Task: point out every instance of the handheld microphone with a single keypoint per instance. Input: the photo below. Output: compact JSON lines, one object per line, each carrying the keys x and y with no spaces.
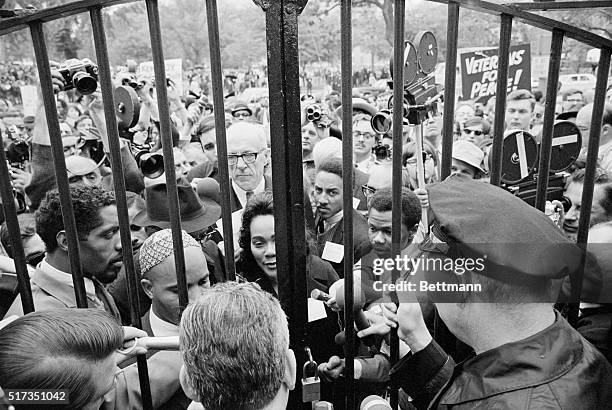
{"x":374,"y":402}
{"x":319,"y":295}
{"x":361,"y":322}
{"x":154,"y":343}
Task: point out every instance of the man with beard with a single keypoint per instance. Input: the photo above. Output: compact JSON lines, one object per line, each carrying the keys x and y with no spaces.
{"x":100,"y":250}
{"x":601,"y":209}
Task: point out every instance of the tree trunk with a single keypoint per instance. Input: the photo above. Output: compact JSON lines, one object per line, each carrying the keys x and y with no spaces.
{"x":387,"y":11}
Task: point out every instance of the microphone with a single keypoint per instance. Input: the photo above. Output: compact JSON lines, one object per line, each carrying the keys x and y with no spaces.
{"x":374,"y":402}
{"x":361,"y":322}
{"x":154,"y":343}
{"x":319,"y":295}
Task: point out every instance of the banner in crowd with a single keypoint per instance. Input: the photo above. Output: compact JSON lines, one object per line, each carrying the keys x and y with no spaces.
{"x":479,"y":72}
{"x":174,"y":71}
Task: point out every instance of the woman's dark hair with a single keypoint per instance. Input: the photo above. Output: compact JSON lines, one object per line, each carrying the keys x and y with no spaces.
{"x":259,"y":205}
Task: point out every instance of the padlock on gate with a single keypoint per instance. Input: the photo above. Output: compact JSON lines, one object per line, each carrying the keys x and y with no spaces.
{"x":311,"y":386}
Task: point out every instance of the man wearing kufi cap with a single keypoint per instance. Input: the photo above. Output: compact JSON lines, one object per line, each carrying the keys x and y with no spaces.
{"x":159,"y":282}
{"x":527,"y":355}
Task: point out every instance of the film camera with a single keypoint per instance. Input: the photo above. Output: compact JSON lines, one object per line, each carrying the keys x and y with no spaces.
{"x":17,"y":153}
{"x":151,"y":164}
{"x":382,"y":151}
{"x":421,"y":94}
{"x":80,"y":74}
{"x":520,"y":154}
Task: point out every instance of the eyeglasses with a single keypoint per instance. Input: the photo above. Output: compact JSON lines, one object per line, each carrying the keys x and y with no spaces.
{"x":413,"y":159}
{"x":368,"y":191}
{"x":364,"y":135}
{"x":574,"y":100}
{"x":209,"y":147}
{"x":247,"y":157}
{"x":468,"y":131}
{"x":241,"y":114}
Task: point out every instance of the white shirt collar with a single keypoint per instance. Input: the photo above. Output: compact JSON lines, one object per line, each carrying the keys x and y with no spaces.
{"x":66,"y":278}
{"x":160,"y":327}
{"x":241,"y":193}
{"x":331,"y":221}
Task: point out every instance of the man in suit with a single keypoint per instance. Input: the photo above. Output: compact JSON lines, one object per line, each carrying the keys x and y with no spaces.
{"x":159,"y":282}
{"x":247,"y":157}
{"x":328,"y":194}
{"x":235,"y":348}
{"x":100,"y":250}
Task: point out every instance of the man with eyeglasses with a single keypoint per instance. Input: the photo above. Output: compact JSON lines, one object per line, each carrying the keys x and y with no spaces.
{"x":247,"y":157}
{"x":380,"y":178}
{"x":241,"y":112}
{"x":364,"y":139}
{"x":583,"y":121}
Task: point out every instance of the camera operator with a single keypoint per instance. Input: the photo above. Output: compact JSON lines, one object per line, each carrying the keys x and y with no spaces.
{"x":43,"y":177}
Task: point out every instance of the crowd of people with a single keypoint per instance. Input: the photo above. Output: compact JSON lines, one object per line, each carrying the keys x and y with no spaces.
{"x":513,"y":343}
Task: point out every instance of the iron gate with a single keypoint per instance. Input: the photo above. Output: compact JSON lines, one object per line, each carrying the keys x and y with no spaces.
{"x":283,"y":74}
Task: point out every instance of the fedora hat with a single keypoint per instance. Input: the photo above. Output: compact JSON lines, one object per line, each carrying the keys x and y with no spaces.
{"x":197,"y":211}
{"x":469,"y":153}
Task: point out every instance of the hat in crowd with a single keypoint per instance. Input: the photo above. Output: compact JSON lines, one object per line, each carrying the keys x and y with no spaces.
{"x":241,"y":106}
{"x":28,"y":121}
{"x":519,"y":243}
{"x":469,"y":153}
{"x":77,"y":165}
{"x":91,"y":134}
{"x":476,"y":121}
{"x":159,"y":246}
{"x":360,"y":106}
{"x":197,"y":211}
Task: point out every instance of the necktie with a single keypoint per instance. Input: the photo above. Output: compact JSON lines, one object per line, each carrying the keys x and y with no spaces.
{"x":249,"y":195}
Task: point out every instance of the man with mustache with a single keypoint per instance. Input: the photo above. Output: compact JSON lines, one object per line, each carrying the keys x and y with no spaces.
{"x":100,"y":249}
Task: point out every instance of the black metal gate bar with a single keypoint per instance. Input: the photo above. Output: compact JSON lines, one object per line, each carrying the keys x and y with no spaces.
{"x":562,"y":5}
{"x":219,"y":112}
{"x":450,"y":80}
{"x":57,"y":150}
{"x":55,"y":13}
{"x":288,"y":192}
{"x":399,"y":18}
{"x":166,"y":139}
{"x":106,"y":85}
{"x":549,"y":117}
{"x":589,"y":178}
{"x":10,"y":215}
{"x":538,"y":21}
{"x":347,"y":188}
{"x":500,"y":97}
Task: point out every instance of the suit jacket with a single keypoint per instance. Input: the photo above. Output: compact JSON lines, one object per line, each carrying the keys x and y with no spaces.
{"x":48,"y":292}
{"x":235,"y":204}
{"x":361,"y":241}
{"x":178,"y":401}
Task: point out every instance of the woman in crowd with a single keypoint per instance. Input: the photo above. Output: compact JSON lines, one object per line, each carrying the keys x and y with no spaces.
{"x":257,"y":263}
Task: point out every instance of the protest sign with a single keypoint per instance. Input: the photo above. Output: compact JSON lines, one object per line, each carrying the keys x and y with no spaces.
{"x":479,"y":72}
{"x":174,"y":71}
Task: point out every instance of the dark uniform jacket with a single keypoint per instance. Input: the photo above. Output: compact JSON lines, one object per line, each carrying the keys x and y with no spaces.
{"x":553,"y":369}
